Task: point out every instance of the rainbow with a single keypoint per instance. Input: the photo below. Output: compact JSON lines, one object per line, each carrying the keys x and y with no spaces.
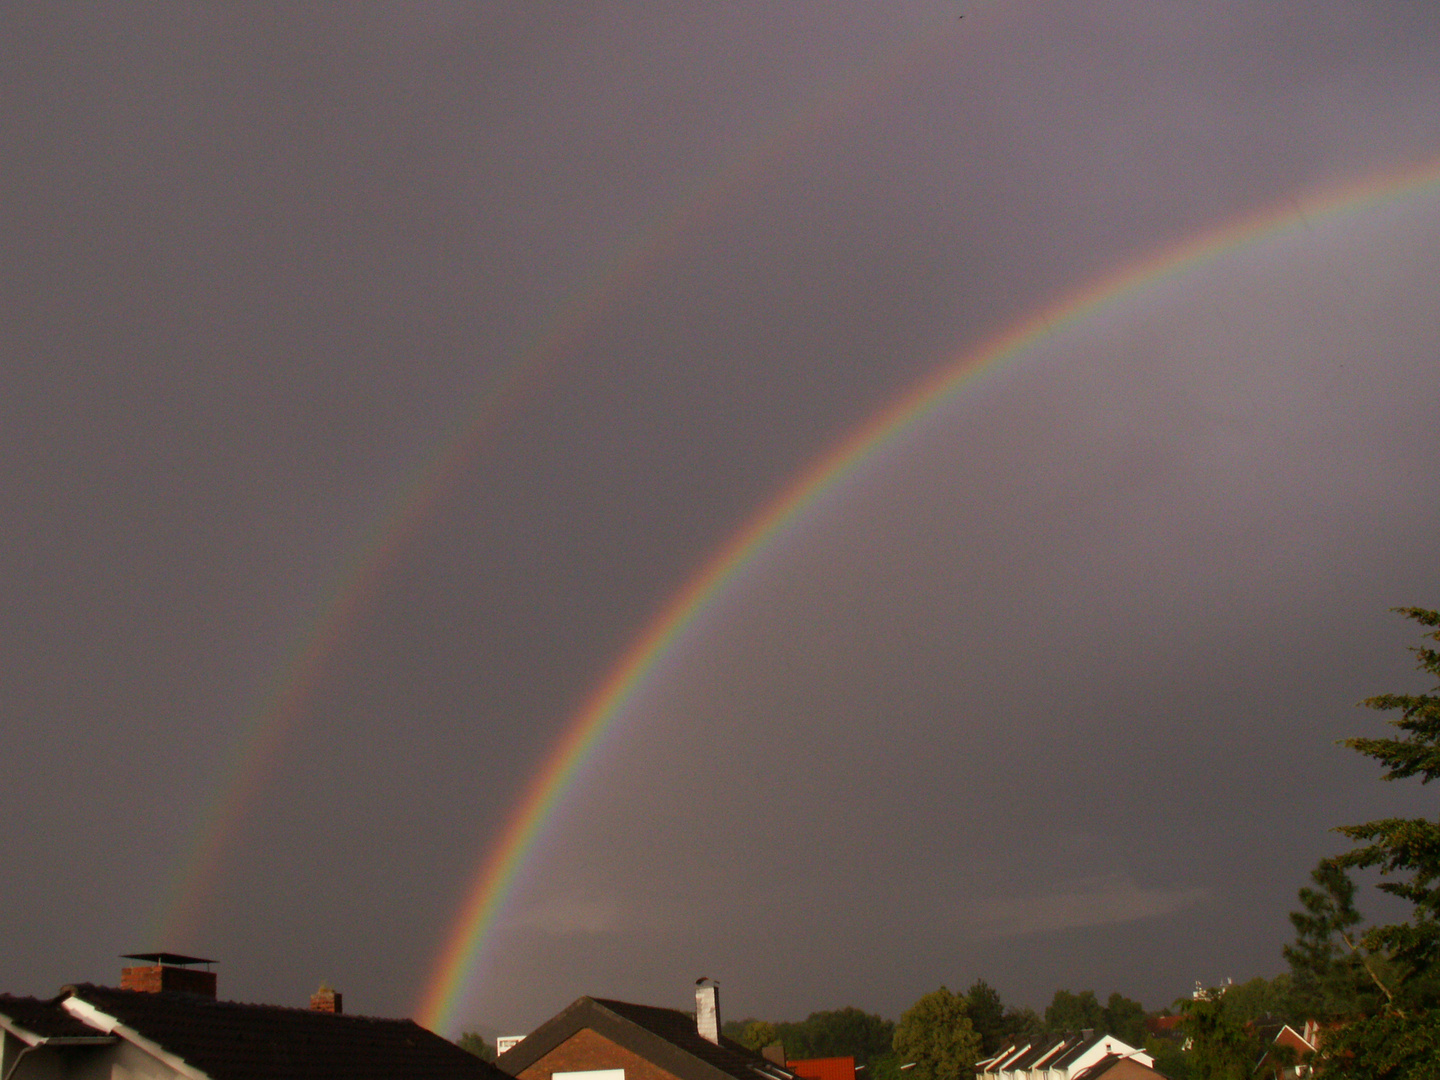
{"x":494,"y":879}
{"x":178,"y":912}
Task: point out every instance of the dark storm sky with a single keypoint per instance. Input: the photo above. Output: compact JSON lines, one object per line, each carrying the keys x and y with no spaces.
{"x":1047,"y":694}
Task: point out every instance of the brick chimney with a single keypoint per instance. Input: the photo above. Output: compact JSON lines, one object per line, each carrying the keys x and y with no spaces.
{"x":707,"y":1009}
{"x":168,"y":973}
{"x":327,"y":1000}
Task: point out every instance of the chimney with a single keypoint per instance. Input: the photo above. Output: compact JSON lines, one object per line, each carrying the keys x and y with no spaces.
{"x":327,"y":1000}
{"x":168,"y":973}
{"x":707,"y":1009}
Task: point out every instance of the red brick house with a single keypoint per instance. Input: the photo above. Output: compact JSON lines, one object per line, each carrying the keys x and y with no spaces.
{"x":600,"y":1039}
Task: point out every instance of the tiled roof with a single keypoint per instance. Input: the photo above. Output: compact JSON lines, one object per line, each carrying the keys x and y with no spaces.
{"x":831,"y":1068}
{"x":666,"y":1037}
{"x":1076,"y":1047}
{"x":232,"y":1041}
{"x":678,"y":1029}
{"x":44,"y":1019}
{"x":1046,"y":1052}
{"x":1100,"y":1068}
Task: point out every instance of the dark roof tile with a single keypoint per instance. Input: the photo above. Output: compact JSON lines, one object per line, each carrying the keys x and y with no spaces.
{"x":233,"y":1041}
{"x":43,"y":1017}
{"x":666,"y":1037}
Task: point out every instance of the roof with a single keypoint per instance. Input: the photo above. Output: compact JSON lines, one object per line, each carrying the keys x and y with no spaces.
{"x":1054,"y":1051}
{"x":36,"y":1020}
{"x":831,"y":1068}
{"x":229,"y":1040}
{"x":1047,"y":1049}
{"x":666,"y":1037}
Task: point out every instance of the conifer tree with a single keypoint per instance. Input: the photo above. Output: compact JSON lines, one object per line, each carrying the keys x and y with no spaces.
{"x":1401,"y":1037}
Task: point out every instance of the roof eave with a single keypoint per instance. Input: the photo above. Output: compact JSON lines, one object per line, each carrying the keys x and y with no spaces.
{"x":83,"y":1011}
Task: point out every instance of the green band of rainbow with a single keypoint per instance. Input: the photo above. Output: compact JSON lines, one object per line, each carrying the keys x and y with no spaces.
{"x":493,"y":880}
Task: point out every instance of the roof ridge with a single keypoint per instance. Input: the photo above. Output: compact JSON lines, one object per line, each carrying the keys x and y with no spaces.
{"x":203,"y":1001}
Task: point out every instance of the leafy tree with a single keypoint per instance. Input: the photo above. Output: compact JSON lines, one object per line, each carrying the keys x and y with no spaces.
{"x":847,"y":1032}
{"x":1074,"y":1012}
{"x":936,"y":1034}
{"x":1170,"y":1059}
{"x":1264,"y":1000}
{"x":1022,"y":1024}
{"x":1222,"y":1045}
{"x":473,"y":1042}
{"x":1401,"y":1039}
{"x":1124,"y":1019}
{"x":987,"y":1015}
{"x":885,"y":1067}
{"x":753,"y":1034}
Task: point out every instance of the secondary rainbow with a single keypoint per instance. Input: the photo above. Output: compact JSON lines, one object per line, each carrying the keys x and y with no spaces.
{"x":494,"y":879}
{"x":176,"y":917}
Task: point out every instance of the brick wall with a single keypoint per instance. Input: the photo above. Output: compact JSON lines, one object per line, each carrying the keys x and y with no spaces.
{"x":163,"y":977}
{"x":588,"y":1050}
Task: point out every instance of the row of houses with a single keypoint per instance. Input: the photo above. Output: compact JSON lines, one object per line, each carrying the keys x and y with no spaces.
{"x":165,"y":1022}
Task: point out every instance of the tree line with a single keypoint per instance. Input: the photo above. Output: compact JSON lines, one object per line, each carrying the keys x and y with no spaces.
{"x":942,"y":1034}
{"x":1374,"y":990}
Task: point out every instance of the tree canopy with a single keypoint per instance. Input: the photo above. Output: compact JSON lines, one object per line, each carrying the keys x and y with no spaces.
{"x":1400,"y":1036}
{"x":1222,"y":1045}
{"x":987,"y":1016}
{"x":1330,"y":978}
{"x":847,"y":1032}
{"x":1074,"y":1012}
{"x":936,"y":1034}
{"x":475,"y":1043}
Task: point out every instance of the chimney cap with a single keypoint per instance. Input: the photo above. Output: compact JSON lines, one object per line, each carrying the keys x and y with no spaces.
{"x":173,"y":959}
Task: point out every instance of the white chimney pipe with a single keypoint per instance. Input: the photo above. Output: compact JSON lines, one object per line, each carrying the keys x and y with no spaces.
{"x":707,"y":1009}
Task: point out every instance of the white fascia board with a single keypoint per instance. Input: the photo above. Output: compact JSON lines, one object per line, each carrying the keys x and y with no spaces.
{"x":1286,"y":1027}
{"x":1011,"y":1057}
{"x":1043,"y":1058}
{"x":88,"y":1014}
{"x":29,"y":1038}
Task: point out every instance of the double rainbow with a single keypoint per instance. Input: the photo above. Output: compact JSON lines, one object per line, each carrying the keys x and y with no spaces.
{"x":494,"y":879}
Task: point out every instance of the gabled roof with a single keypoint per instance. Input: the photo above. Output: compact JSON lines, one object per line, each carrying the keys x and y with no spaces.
{"x":1053,"y":1051}
{"x":1045,"y":1050}
{"x":666,"y":1037}
{"x":227,"y":1040}
{"x":1076,"y":1046}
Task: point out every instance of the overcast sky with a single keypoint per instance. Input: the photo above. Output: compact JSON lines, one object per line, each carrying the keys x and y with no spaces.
{"x":1046,"y":693}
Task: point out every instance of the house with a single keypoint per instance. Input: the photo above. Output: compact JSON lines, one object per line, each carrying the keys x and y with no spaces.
{"x":1062,"y":1057}
{"x":1287,"y":1053}
{"x":165,"y":1022}
{"x":600,"y":1039}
